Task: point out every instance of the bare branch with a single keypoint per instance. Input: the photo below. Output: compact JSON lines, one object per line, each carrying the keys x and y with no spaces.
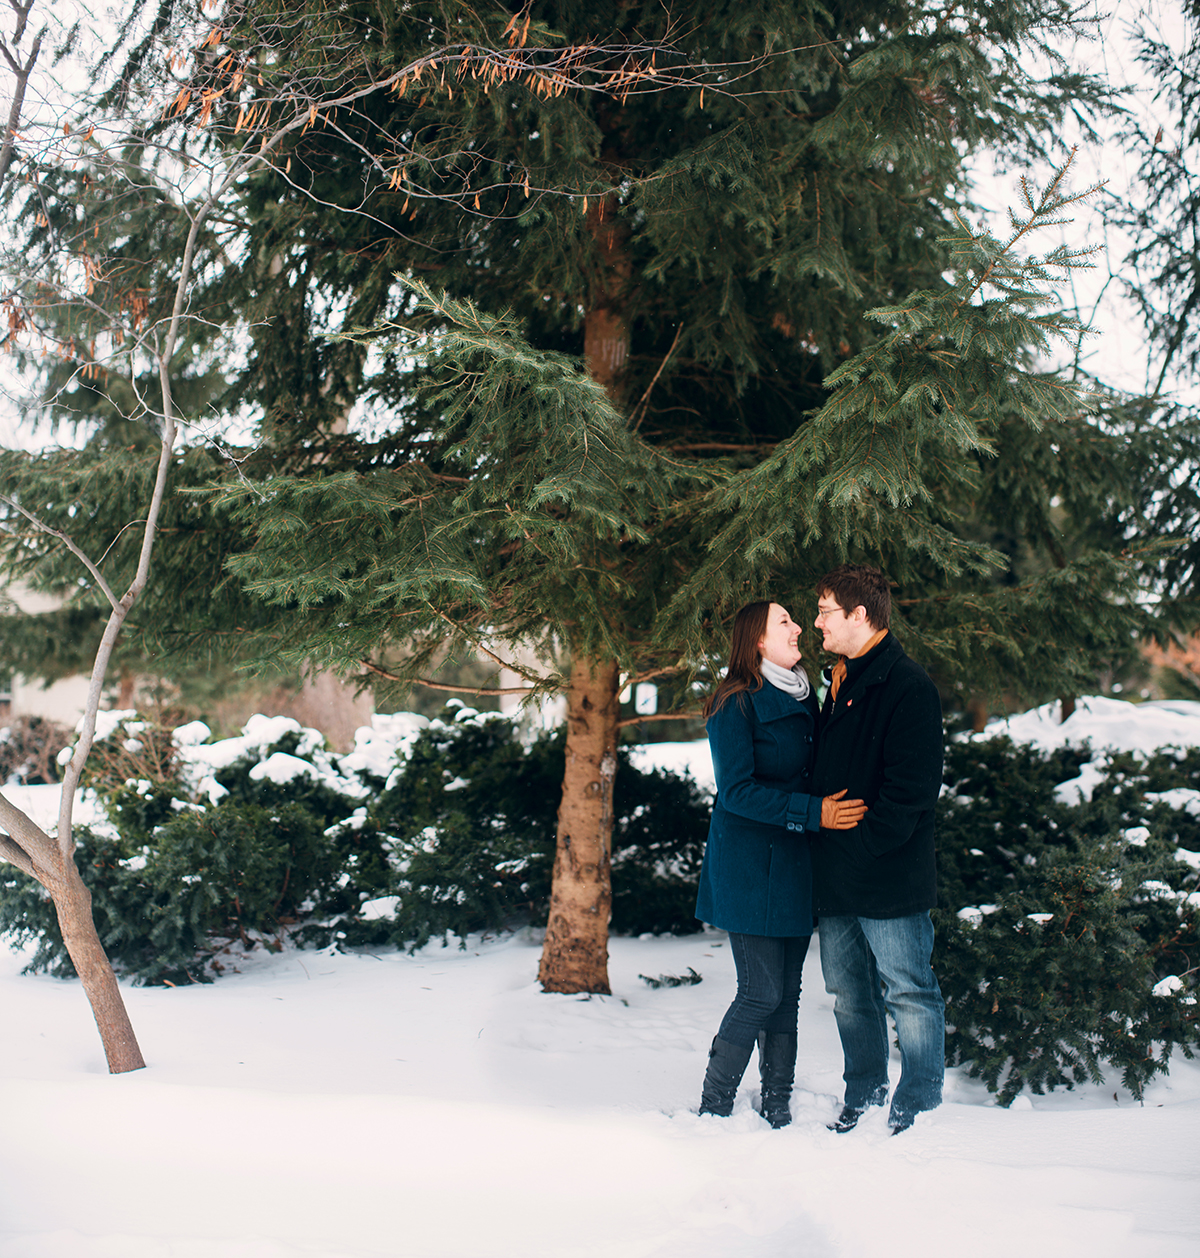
{"x":659,"y":716}
{"x":96,"y":574}
{"x":21,"y":73}
{"x":640,"y":409}
{"x":477,"y":642}
{"x":28,"y":846}
{"x":671,"y":671}
{"x":441,"y":685}
{"x":22,"y":11}
{"x":14,"y":855}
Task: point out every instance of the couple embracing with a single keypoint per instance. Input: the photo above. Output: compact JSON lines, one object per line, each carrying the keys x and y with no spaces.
{"x":826,"y":817}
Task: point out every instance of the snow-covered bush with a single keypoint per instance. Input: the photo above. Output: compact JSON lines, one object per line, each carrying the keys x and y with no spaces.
{"x":207,"y":846}
{"x":471,"y":816}
{"x":1065,"y":913}
{"x":440,"y":827}
{"x":165,"y":911}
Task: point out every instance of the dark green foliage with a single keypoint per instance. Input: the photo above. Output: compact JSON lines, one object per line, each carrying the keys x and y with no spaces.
{"x":748,"y":230}
{"x":472,"y":815}
{"x":310,"y":792}
{"x":1042,"y":1004}
{"x":471,"y":819}
{"x":529,"y":477}
{"x":463,"y":838}
{"x":164,"y":912}
{"x":1079,"y":911}
{"x":660,"y":827}
{"x":998,"y":807}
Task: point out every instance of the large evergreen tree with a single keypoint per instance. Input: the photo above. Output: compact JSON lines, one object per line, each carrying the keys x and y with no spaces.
{"x":538,"y":340}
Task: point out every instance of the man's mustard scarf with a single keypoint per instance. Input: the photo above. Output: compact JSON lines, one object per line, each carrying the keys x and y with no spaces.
{"x":838,"y":675}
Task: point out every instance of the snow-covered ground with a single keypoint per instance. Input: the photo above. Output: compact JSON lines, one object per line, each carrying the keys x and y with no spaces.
{"x":441,"y":1106}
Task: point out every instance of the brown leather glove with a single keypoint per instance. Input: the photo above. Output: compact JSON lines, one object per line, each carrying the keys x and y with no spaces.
{"x":841,"y":814}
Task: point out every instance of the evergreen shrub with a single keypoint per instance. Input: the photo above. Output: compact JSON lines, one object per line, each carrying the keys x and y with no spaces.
{"x":175,"y":882}
{"x":165,"y":911}
{"x":321,"y":790}
{"x":1067,"y":944}
{"x":461,"y":839}
{"x":1070,"y":928}
{"x":471,"y":816}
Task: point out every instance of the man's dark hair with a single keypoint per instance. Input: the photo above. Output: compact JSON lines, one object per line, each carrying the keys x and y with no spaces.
{"x":857,"y":585}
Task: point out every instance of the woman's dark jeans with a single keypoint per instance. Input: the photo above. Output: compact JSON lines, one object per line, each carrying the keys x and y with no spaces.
{"x":768,"y":993}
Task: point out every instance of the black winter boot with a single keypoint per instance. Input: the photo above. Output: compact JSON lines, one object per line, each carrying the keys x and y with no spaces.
{"x":847,"y":1120}
{"x":777,"y":1069}
{"x":726,"y":1065}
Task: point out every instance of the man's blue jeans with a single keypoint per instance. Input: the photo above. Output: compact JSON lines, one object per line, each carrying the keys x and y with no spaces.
{"x":859,"y":956}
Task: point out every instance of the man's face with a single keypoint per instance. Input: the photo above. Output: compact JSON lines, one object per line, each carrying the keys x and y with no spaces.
{"x":840,"y":629}
{"x":779,"y":640}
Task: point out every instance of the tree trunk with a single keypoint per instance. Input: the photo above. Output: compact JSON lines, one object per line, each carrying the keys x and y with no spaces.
{"x":126,"y":690}
{"x":978,"y":711}
{"x":73,"y":903}
{"x":26,"y":845}
{"x":575,"y":953}
{"x":605,"y":329}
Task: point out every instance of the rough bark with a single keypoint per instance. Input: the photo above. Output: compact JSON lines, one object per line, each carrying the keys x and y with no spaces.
{"x":605,"y":330}
{"x":575,"y":953}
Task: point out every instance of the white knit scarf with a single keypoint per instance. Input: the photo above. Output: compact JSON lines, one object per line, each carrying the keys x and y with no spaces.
{"x":792,"y":681}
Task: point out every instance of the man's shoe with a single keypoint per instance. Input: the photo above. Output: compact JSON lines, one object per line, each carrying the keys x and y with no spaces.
{"x":901,"y":1122}
{"x":847,"y":1120}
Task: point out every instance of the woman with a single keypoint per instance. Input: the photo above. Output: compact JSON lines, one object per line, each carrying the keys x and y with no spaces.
{"x":756,"y":882}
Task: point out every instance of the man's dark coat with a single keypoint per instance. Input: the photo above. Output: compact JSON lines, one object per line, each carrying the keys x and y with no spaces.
{"x":881,"y":739}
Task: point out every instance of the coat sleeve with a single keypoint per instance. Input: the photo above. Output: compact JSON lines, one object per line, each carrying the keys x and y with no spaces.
{"x":731,"y":739}
{"x":912,"y":771}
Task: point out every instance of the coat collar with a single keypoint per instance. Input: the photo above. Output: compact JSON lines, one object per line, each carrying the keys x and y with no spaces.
{"x":873,"y":668}
{"x":772,"y":704}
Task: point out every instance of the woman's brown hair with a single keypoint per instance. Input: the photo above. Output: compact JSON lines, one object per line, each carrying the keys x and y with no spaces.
{"x":745,"y":662}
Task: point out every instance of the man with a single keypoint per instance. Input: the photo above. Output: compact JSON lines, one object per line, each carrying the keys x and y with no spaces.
{"x":880,"y":740}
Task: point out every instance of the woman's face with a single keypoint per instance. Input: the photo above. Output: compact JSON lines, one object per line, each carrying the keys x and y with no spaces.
{"x":779,"y":642}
